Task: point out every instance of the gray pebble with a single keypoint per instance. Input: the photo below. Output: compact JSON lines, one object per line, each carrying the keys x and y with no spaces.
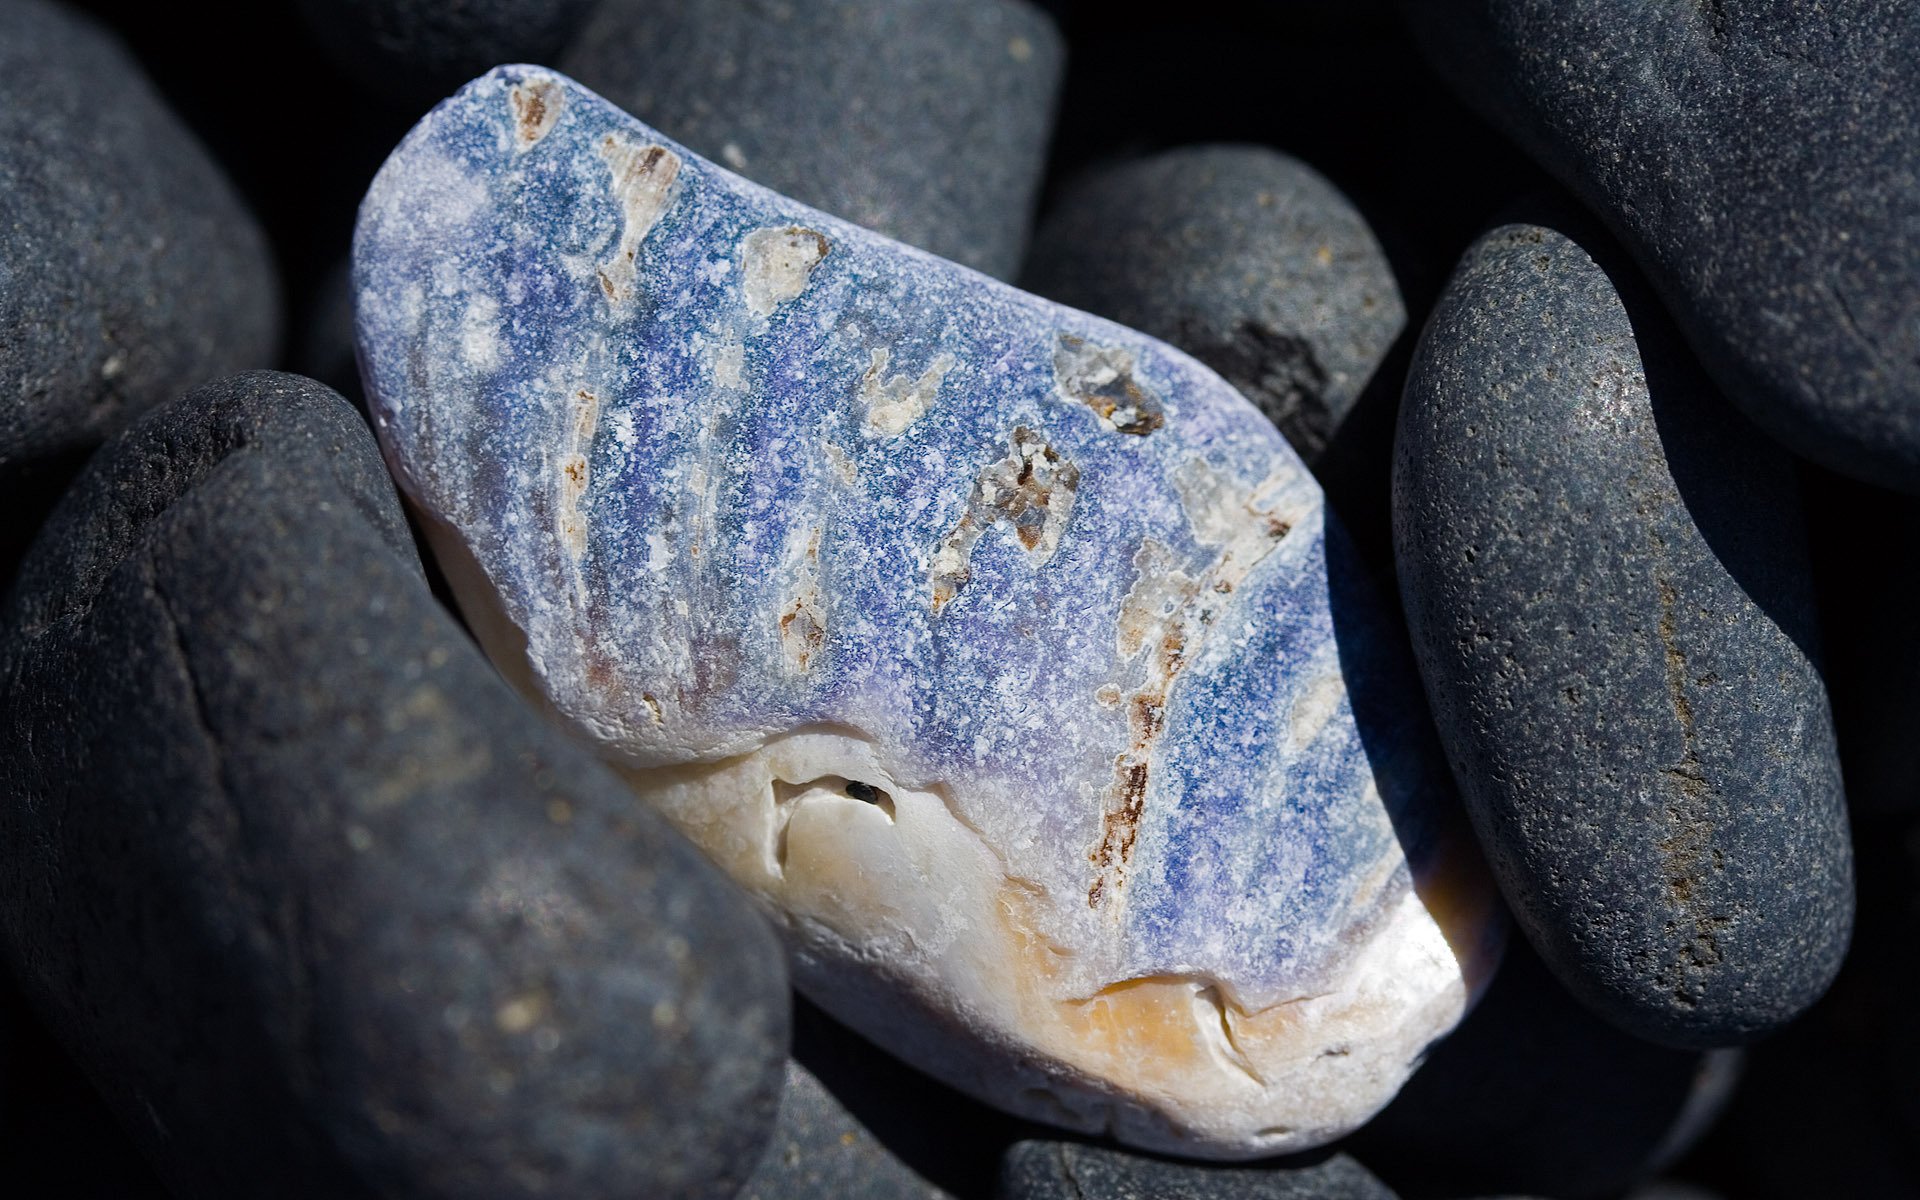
{"x":321,"y":907}
{"x":926,"y":120}
{"x":1761,"y":161}
{"x":418,"y":51}
{"x":1246,"y":259}
{"x":129,"y":269}
{"x":1077,"y":1171}
{"x":1605,"y":574}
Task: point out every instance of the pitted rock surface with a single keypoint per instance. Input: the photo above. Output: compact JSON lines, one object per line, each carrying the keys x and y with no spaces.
{"x":1605,"y":572}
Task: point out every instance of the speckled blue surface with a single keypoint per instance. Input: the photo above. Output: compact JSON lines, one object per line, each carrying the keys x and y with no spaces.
{"x":483,"y":320}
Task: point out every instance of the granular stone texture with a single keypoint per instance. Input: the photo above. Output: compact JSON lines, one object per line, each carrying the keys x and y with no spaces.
{"x":1605,"y":571}
{"x":1761,"y":162}
{"x":1005,"y":652}
{"x":129,"y":269}
{"x":1073,"y":1171}
{"x":320,"y":906}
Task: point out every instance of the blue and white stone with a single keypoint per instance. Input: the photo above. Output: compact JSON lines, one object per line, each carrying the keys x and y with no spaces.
{"x":991,"y":644}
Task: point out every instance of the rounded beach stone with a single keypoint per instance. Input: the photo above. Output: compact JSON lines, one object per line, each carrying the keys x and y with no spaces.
{"x":1605,"y":573}
{"x":1243,"y":257}
{"x":1006,"y":653}
{"x":1761,"y":161}
{"x":129,"y":269}
{"x":1039,"y":1170}
{"x":322,"y":908}
{"x":925,"y":120}
{"x":1534,"y":1095}
{"x":419,"y":50}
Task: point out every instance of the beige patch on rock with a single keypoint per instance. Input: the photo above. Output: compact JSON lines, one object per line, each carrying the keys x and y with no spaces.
{"x":536,"y":106}
{"x":1103,"y":379}
{"x":895,"y":402}
{"x":643,"y":178}
{"x":776,"y":265}
{"x":1032,"y":490}
{"x":573,"y":480}
{"x":803,"y":620}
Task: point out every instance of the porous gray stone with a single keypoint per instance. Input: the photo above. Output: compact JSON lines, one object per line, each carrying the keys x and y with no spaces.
{"x":1076,"y":1171}
{"x":129,"y":269}
{"x":1243,"y":257}
{"x":925,"y":120}
{"x":1761,"y":161}
{"x":321,"y":908}
{"x":1605,"y":574}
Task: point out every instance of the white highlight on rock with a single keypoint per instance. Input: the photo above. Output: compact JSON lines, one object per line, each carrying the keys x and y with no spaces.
{"x":894,"y":875}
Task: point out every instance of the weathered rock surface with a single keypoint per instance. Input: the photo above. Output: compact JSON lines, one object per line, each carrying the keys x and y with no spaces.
{"x":1761,"y":161}
{"x":1072,"y":1171}
{"x":1004,"y":651}
{"x":1243,"y":257}
{"x":1606,"y":577}
{"x":926,"y":120}
{"x":129,"y":269}
{"x":321,"y":908}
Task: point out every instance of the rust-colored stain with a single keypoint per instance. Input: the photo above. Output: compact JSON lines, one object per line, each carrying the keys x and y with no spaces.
{"x":536,"y":106}
{"x":1171,"y":612}
{"x":1102,"y":378}
{"x":801,"y":633}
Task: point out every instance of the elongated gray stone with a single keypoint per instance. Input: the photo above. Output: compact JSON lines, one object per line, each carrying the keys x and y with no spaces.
{"x":1006,"y":653}
{"x":129,"y":268}
{"x":1605,"y":573}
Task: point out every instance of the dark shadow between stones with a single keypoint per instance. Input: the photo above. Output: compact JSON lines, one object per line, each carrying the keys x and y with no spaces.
{"x":1403,"y":750}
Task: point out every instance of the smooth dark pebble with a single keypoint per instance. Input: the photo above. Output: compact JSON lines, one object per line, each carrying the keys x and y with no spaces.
{"x":299,"y":882}
{"x":129,"y":268}
{"x":926,"y":120}
{"x":1243,"y":257}
{"x":1049,"y":1170}
{"x":1762,"y":164}
{"x":1605,"y":574}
